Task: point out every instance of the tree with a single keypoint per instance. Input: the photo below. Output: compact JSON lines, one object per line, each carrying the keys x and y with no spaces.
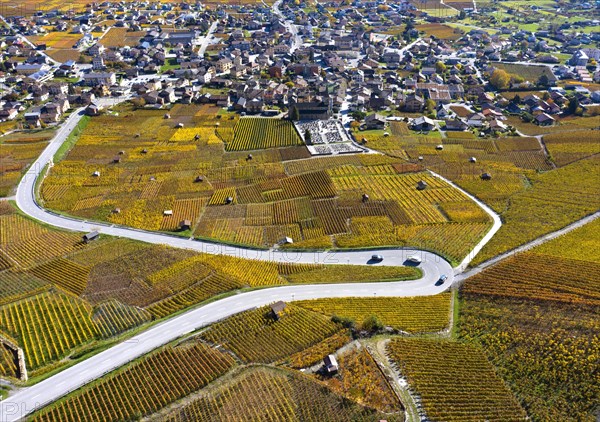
{"x":138,"y":102}
{"x":544,"y":80}
{"x":500,"y":79}
{"x":573,"y":105}
{"x":430,"y":106}
{"x":345,"y":321}
{"x":307,"y":136}
{"x":372,"y":324}
{"x":516,"y":99}
{"x":440,"y":67}
{"x":462,"y":15}
{"x":358,"y":115}
{"x":527,"y":117}
{"x":294,"y":114}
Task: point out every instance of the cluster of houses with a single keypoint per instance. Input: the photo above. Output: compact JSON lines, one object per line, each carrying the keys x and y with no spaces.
{"x":253,"y":58}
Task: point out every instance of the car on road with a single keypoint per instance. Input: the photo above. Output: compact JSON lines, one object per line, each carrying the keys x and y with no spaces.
{"x":441,"y":280}
{"x":377,"y":258}
{"x":415,"y":259}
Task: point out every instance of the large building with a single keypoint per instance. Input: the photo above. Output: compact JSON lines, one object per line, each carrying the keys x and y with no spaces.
{"x":312,"y":110}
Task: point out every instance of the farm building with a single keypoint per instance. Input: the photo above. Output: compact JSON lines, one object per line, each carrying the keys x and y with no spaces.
{"x":544,"y":119}
{"x":423,"y":123}
{"x":185,"y":225}
{"x":330,"y":363}
{"x":421,"y":185}
{"x":287,"y":241}
{"x":375,"y":121}
{"x":277,"y":309}
{"x":88,"y":237}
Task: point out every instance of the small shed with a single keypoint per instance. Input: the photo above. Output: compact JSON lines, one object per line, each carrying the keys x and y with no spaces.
{"x":199,"y":179}
{"x":365,"y":197}
{"x":229,"y":200}
{"x":144,"y":151}
{"x":121,"y":152}
{"x":439,"y":147}
{"x":197,"y":137}
{"x":88,"y":237}
{"x":486,"y":176}
{"x":152,"y":179}
{"x":167,"y":116}
{"x":167,"y":213}
{"x":185,"y":225}
{"x":117,"y":160}
{"x":277,"y":309}
{"x":116,"y":211}
{"x":331,"y":364}
{"x":179,"y":126}
{"x":249,"y":157}
{"x":472,"y":160}
{"x":96,"y":174}
{"x":421,"y":185}
{"x":287,"y":240}
{"x":420,"y":158}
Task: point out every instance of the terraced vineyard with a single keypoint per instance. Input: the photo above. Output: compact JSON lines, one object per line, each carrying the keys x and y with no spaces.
{"x":17,"y":151}
{"x":360,"y":378}
{"x":542,"y":344}
{"x":359,"y":274}
{"x":167,"y":174}
{"x":256,"y":336}
{"x":534,"y":276}
{"x":532,"y":197}
{"x":74,"y":295}
{"x":48,"y":326}
{"x":258,"y":133}
{"x":144,"y":387}
{"x":414,"y":314}
{"x":554,"y":200}
{"x":568,"y":147}
{"x":454,"y":381}
{"x":263,"y":393}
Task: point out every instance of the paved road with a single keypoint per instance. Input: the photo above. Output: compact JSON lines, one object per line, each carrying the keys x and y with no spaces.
{"x":292,"y":28}
{"x":208,"y":38}
{"x":27,"y":400}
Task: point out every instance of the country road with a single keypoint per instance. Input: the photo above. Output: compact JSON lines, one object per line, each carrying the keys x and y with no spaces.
{"x":27,"y":400}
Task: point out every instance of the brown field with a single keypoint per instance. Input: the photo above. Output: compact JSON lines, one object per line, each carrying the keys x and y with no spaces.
{"x":443,"y":32}
{"x":120,"y":37}
{"x":57,"y":40}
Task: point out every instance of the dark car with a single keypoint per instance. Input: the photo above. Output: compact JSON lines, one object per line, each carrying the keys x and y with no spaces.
{"x":377,"y":258}
{"x":442,"y":279}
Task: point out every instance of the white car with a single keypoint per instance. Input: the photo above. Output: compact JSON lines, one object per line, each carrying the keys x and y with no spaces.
{"x":414,"y":259}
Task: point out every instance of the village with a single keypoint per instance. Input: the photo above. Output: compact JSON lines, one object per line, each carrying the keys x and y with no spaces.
{"x":295,"y":62}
